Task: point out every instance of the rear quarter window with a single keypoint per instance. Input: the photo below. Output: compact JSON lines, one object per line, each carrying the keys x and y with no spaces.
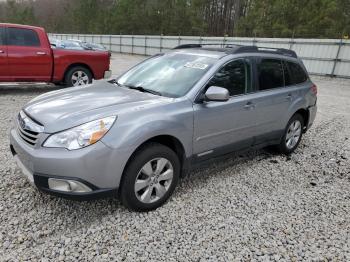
{"x":294,"y":73}
{"x":22,"y":37}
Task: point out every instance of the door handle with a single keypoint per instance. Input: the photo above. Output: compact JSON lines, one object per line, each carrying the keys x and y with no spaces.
{"x":40,"y":53}
{"x":249,"y":105}
{"x":289,"y":97}
{"x":2,"y":51}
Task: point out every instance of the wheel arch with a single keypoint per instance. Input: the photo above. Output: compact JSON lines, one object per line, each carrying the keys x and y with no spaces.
{"x":169,"y":141}
{"x":305,"y":115}
{"x":76,"y":65}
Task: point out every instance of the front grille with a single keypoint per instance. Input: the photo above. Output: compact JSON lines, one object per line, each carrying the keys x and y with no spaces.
{"x":27,"y":129}
{"x":28,"y":136}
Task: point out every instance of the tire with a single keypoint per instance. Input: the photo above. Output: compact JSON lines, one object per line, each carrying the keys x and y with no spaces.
{"x":292,"y":135}
{"x":78,"y":76}
{"x":142,"y":186}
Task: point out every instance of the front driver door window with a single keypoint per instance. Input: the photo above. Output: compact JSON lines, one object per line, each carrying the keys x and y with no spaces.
{"x":235,"y":77}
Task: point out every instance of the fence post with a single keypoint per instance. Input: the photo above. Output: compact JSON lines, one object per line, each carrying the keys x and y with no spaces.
{"x":120,"y":42}
{"x":336,"y":60}
{"x":110,"y":42}
{"x":254,"y":39}
{"x":291,"y":41}
{"x":161,"y":43}
{"x":179,"y":40}
{"x":145,"y":45}
{"x":132,"y":43}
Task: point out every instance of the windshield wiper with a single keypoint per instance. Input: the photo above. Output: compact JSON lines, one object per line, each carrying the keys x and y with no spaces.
{"x":145,"y":90}
{"x":114,"y":81}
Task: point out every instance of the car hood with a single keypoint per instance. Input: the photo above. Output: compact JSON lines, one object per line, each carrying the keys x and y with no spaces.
{"x":63,"y":109}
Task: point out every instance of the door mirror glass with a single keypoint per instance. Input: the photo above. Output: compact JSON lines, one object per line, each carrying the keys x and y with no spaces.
{"x":216,"y":93}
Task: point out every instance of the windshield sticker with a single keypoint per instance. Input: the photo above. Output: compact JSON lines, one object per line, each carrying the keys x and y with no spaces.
{"x":196,"y":65}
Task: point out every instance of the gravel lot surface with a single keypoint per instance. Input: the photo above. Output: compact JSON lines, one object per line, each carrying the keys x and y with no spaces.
{"x":254,"y":206}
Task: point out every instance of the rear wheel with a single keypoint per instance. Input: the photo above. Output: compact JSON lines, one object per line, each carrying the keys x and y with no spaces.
{"x":292,"y":135}
{"x":150,"y":178}
{"x":78,"y":76}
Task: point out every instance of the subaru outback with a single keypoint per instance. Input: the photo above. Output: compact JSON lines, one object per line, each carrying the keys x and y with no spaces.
{"x":135,"y":136}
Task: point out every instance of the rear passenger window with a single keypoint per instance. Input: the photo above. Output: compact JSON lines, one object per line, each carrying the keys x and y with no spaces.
{"x":234,"y":76}
{"x":22,"y":37}
{"x":270,"y":74}
{"x":295,"y":74}
{"x":2,"y":36}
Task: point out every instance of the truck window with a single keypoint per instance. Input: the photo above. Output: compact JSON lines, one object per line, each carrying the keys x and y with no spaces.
{"x":2,"y":36}
{"x":22,"y":37}
{"x":270,"y":73}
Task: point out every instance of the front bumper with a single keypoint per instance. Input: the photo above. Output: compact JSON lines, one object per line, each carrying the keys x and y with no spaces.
{"x":41,"y":182}
{"x":97,"y":166}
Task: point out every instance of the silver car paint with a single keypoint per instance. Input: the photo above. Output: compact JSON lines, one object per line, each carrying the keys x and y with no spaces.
{"x":142,"y":116}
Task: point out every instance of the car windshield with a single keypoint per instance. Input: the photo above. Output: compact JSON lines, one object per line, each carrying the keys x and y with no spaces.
{"x":172,"y":74}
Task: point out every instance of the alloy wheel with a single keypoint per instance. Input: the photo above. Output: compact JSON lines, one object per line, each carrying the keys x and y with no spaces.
{"x":80,"y":78}
{"x":154,"y":180}
{"x":293,"y":134}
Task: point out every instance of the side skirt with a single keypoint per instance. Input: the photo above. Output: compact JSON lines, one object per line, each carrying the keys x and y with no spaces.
{"x":211,"y":156}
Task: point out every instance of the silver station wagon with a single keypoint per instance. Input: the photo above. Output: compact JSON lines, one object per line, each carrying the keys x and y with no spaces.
{"x":135,"y":136}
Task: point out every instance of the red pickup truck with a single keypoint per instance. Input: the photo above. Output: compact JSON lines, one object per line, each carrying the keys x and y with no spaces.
{"x":26,"y":56}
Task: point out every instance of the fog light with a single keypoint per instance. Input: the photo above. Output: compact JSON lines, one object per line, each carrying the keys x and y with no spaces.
{"x":68,"y":185}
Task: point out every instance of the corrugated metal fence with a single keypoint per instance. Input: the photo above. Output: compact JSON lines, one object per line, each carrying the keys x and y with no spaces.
{"x":330,"y":57}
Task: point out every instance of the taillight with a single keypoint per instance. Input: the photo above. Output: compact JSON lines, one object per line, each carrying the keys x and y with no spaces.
{"x":314,"y":89}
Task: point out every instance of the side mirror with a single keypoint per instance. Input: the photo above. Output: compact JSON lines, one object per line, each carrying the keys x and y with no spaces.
{"x":216,"y":93}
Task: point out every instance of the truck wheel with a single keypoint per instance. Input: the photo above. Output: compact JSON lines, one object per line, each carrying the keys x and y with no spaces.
{"x":150,"y":178}
{"x":78,"y":76}
{"x":292,"y":135}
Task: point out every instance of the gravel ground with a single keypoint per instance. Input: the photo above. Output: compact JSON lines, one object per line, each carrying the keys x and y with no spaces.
{"x":253,"y":206}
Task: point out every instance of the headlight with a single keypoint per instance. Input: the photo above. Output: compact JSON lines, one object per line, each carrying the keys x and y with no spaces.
{"x":81,"y":136}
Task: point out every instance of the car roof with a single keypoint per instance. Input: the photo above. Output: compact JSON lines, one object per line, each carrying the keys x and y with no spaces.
{"x":216,"y":50}
{"x":21,"y":26}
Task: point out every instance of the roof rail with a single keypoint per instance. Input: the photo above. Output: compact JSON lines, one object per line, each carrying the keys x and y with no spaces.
{"x":269,"y":50}
{"x":195,"y":46}
{"x":236,"y":49}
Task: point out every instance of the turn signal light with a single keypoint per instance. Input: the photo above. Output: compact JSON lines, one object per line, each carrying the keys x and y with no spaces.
{"x":96,"y":136}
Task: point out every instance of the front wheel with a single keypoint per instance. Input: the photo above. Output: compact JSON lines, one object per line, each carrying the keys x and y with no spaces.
{"x":292,"y":135}
{"x":150,"y":178}
{"x":78,"y":76}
